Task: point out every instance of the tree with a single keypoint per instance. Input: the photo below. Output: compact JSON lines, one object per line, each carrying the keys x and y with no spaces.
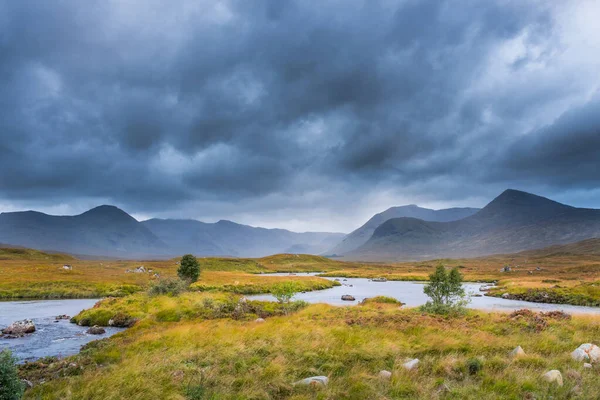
{"x":445,"y":291}
{"x":11,"y":387}
{"x":189,"y":268}
{"x":284,"y":291}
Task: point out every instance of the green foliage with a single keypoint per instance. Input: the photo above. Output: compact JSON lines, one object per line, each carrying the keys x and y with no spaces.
{"x":445,"y":291}
{"x":169,"y":287}
{"x":474,"y":366}
{"x":284,"y":291}
{"x":381,"y":300}
{"x":189,"y":268}
{"x":11,"y":387}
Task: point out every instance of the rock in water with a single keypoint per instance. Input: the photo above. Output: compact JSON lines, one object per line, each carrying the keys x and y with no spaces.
{"x":19,"y":328}
{"x":314,"y":381}
{"x":412,"y":364}
{"x":347,"y":297}
{"x":586,"y":351}
{"x":553,"y":376}
{"x":517,"y":352}
{"x":96,"y":330}
{"x":383,"y":374}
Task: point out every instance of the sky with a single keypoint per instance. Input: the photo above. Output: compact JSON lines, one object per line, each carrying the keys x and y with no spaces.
{"x":310,"y":116}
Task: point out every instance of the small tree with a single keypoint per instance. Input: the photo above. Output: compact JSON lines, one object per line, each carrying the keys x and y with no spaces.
{"x":284,"y":291}
{"x":189,"y":268}
{"x":11,"y":387}
{"x":445,"y":291}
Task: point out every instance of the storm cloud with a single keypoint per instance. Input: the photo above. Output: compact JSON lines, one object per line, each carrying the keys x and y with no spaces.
{"x":296,"y":114}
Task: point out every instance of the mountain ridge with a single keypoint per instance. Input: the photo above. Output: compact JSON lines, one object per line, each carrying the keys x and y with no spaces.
{"x":514,"y":221}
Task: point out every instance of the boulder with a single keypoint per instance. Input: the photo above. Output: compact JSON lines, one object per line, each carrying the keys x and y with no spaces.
{"x":96,"y":330}
{"x":347,"y":297}
{"x":586,"y":352}
{"x":553,"y":376}
{"x":506,"y":296}
{"x":587,"y":365}
{"x":62,"y":316}
{"x":383,"y":374}
{"x":19,"y":328}
{"x":313,"y":381}
{"x":27,"y":384}
{"x":517,"y":352}
{"x":412,"y":364}
{"x":259,"y":320}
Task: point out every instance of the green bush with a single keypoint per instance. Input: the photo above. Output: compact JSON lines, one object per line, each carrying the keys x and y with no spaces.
{"x":189,"y":268}
{"x":474,"y":366}
{"x":169,"y":286}
{"x":11,"y":387}
{"x":446,"y":292}
{"x":284,"y":291}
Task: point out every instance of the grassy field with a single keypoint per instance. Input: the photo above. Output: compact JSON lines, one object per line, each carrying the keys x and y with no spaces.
{"x":197,"y":346}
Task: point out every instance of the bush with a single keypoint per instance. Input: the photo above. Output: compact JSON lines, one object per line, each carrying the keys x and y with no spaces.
{"x":284,"y":291}
{"x":11,"y":387}
{"x":189,"y":268}
{"x":474,"y":366}
{"x":169,"y":287}
{"x":446,"y":292}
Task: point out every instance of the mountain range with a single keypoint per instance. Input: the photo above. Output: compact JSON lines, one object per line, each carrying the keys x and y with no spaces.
{"x":110,"y":231}
{"x":361,"y":235}
{"x":514,"y":221}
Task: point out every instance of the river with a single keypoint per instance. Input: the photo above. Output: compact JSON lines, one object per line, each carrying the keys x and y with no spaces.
{"x":51,"y":338}
{"x":411,"y":294}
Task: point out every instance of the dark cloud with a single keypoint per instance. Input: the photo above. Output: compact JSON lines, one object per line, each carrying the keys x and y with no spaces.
{"x":269,"y":109}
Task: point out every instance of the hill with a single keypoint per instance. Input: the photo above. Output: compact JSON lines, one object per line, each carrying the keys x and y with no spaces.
{"x":107,"y":231}
{"x":101,"y":231}
{"x":515,"y":221}
{"x":361,"y":235}
{"x":232,"y":239}
{"x":588,"y":247}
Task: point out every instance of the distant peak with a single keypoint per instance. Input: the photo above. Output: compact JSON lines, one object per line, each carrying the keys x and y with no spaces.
{"x":512,"y":199}
{"x":107,"y":211}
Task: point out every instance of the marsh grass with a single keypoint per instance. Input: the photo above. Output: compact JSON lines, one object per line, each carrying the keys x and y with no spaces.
{"x":461,"y":358}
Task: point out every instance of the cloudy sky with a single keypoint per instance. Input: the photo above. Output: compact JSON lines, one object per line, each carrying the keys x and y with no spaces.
{"x":296,"y":114}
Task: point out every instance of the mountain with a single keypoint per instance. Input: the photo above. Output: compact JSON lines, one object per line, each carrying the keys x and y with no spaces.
{"x":515,"y":221}
{"x":361,"y":235}
{"x":230,"y":238}
{"x":101,"y":231}
{"x":110,"y":232}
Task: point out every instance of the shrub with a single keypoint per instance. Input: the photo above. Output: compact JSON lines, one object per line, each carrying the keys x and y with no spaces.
{"x":170,"y":287}
{"x":11,"y":387}
{"x":474,"y":366}
{"x":284,"y":291}
{"x":189,"y":268}
{"x":446,"y":292}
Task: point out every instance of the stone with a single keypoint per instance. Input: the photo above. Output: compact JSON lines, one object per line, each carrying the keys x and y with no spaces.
{"x":96,"y":330}
{"x":259,"y":320}
{"x":383,"y":374}
{"x":587,"y":365}
{"x":313,"y":381}
{"x":517,"y":352}
{"x":586,"y":352}
{"x":574,"y":375}
{"x":506,"y":296}
{"x":347,"y":297}
{"x":19,"y":328}
{"x":62,"y":316}
{"x":27,"y":384}
{"x":412,"y":364}
{"x":553,"y":376}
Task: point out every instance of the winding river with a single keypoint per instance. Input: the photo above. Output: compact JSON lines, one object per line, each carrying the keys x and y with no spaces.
{"x":411,"y":294}
{"x":51,"y":338}
{"x":63,"y":338}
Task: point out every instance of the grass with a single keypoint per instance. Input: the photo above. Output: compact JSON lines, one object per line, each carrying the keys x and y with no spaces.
{"x":200,"y":357}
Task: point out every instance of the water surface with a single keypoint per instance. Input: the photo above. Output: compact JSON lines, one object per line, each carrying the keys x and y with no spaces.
{"x":411,"y":294}
{"x":51,"y":338}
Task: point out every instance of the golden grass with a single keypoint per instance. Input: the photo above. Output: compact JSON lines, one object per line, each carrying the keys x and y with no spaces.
{"x":229,"y":359}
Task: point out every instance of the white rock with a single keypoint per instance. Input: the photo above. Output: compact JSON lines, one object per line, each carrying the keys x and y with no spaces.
{"x":587,"y":365}
{"x":412,"y":364}
{"x":517,"y":352}
{"x":586,"y":351}
{"x":314,"y":381}
{"x":259,"y":320}
{"x":385,"y":374}
{"x":553,"y":376}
